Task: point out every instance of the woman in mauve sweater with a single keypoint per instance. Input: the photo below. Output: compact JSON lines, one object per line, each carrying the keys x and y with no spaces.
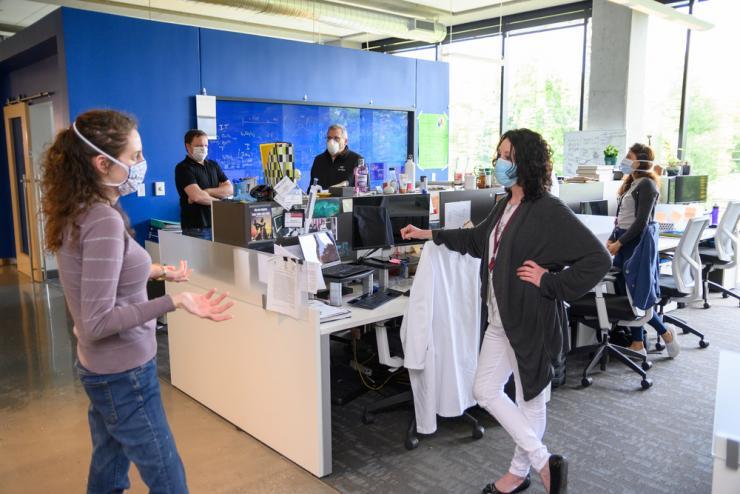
{"x":104,"y":272}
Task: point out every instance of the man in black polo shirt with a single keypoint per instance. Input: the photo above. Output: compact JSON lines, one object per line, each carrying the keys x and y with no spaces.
{"x":337,"y":163}
{"x":199,"y":182}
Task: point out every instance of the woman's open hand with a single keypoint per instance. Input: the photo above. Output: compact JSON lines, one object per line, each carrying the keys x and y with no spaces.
{"x":411,"y":232}
{"x":531,"y":272}
{"x":204,"y":305}
{"x":177,"y":273}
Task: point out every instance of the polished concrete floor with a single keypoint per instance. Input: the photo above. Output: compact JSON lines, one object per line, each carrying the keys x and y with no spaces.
{"x":44,"y":437}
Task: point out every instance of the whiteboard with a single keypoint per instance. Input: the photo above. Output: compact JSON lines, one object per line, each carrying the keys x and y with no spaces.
{"x":587,"y":147}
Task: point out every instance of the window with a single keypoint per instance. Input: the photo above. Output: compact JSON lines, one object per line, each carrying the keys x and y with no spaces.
{"x":475,"y":95}
{"x":543,"y":83}
{"x":713,"y":102}
{"x":666,"y":46}
{"x":420,"y":53}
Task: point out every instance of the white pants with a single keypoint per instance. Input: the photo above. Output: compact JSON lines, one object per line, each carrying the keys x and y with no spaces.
{"x":524,"y":421}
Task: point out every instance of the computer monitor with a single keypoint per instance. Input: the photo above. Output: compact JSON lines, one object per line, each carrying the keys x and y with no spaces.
{"x":690,"y":188}
{"x":377,"y":220}
{"x":319,"y":247}
{"x":598,"y":208}
{"x":481,"y":202}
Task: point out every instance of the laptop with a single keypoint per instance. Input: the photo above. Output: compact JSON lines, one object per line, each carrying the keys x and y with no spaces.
{"x":320,"y":247}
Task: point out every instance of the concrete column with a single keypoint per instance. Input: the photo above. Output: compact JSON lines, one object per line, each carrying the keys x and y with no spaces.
{"x":618,"y":64}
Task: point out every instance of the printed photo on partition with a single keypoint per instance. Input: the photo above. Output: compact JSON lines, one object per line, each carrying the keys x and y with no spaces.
{"x":261,"y":224}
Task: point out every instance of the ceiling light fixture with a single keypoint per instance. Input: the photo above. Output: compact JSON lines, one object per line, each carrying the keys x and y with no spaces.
{"x":651,"y":7}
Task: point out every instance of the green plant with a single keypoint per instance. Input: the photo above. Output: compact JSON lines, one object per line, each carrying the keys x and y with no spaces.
{"x":611,"y":151}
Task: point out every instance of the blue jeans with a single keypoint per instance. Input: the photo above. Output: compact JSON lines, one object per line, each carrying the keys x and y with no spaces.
{"x":128,"y":423}
{"x":625,"y":252}
{"x":204,"y":233}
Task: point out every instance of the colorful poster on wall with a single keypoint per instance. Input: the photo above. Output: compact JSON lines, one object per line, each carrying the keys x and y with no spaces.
{"x":433,"y":141}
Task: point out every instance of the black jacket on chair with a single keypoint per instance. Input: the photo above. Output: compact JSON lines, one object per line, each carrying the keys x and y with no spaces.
{"x":547,"y":232}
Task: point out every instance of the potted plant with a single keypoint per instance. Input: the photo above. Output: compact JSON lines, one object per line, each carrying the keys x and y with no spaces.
{"x":610,"y":155}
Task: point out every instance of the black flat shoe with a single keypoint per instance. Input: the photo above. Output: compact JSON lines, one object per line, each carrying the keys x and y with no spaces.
{"x":491,"y":488}
{"x":558,"y":474}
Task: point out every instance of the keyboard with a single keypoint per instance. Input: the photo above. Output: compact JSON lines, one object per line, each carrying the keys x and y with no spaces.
{"x":374,"y":300}
{"x":344,"y":270}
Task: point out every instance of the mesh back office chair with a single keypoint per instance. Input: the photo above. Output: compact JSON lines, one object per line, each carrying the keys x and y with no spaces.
{"x":724,"y":253}
{"x":684,"y":282}
{"x":604,"y":312}
{"x":390,"y":402}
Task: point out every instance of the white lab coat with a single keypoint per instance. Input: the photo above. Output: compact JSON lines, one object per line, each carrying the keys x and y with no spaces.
{"x":440,"y":334}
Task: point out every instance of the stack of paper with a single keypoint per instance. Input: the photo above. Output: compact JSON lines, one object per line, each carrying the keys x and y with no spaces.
{"x":602,"y":173}
{"x":329,"y":313}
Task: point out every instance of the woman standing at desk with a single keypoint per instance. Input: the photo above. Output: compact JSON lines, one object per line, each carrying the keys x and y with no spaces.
{"x":104,"y":272}
{"x":637,"y":197}
{"x":524,"y":238}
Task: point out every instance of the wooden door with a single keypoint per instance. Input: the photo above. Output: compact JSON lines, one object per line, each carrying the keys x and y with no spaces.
{"x":26,"y":212}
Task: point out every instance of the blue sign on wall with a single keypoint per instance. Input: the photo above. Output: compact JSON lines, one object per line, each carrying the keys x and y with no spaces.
{"x":380,"y":136}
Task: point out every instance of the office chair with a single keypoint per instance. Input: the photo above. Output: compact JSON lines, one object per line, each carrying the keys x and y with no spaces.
{"x":604,"y":312}
{"x":684,"y":282}
{"x":390,"y":402}
{"x":724,"y":253}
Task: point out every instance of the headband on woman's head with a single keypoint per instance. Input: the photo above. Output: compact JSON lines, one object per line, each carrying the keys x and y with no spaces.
{"x":87,"y":141}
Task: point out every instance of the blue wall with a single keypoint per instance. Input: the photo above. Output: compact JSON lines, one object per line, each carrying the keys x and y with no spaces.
{"x":152,"y":70}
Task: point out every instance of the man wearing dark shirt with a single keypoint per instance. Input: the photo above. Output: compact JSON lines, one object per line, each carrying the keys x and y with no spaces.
{"x":337,"y":163}
{"x":199,"y":182}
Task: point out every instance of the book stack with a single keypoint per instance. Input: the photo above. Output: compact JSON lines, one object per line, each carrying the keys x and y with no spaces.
{"x":156,"y":225}
{"x":600,"y":173}
{"x":328,"y":312}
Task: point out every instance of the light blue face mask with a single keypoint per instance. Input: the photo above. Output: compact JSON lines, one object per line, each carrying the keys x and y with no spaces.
{"x":505,"y":172}
{"x":627,"y":166}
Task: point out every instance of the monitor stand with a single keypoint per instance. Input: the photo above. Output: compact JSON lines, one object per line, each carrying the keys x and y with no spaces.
{"x":335,"y":288}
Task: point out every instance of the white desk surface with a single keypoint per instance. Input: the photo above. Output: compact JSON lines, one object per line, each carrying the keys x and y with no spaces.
{"x":360,"y":317}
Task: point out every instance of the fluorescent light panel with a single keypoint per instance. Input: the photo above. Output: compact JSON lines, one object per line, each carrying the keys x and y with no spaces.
{"x":651,"y":7}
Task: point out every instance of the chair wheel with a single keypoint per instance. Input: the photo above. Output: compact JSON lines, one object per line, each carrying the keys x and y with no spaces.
{"x":478,"y":431}
{"x":587,"y":381}
{"x":724,"y":295}
{"x":646,"y":383}
{"x":659,"y":346}
{"x":411,"y":443}
{"x":706,"y":305}
{"x":703,"y":343}
{"x":368,"y":418}
{"x":681,"y":305}
{"x":684,"y":331}
{"x":647,"y":365}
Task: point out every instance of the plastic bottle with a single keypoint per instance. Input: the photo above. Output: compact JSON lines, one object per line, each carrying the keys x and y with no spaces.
{"x":361,"y":177}
{"x":423,"y":184}
{"x":410,"y":170}
{"x":393,"y":179}
{"x":715,"y":215}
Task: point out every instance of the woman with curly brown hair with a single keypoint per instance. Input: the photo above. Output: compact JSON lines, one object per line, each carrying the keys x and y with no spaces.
{"x":537,"y":255}
{"x":104,"y":271}
{"x":637,"y":198}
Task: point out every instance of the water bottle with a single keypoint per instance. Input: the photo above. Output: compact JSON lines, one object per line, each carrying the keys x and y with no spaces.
{"x":410,"y":170}
{"x":715,"y":214}
{"x":423,"y":184}
{"x":361,"y":177}
{"x":393,"y":179}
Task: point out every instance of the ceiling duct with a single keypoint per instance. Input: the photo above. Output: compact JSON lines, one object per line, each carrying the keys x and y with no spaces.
{"x":354,"y":18}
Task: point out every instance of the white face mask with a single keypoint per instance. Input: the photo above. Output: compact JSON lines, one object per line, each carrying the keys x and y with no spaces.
{"x":332,"y":146}
{"x":136,"y":173}
{"x":199,"y":153}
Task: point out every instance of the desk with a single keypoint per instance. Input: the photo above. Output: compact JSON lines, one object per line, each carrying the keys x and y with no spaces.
{"x":666,"y":243}
{"x":264,"y":372}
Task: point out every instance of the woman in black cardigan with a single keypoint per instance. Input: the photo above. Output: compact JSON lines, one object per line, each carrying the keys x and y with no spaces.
{"x":536,"y":255}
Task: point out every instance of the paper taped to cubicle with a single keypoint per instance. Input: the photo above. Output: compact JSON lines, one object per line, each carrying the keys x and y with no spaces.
{"x":283,"y":286}
{"x":456,"y":214}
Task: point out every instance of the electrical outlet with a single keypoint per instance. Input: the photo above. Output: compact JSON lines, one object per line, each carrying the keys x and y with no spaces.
{"x":158,"y":188}
{"x":141,"y":190}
